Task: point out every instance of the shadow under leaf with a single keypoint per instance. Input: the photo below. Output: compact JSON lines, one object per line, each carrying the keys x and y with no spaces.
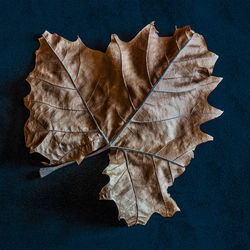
{"x":73,"y":194}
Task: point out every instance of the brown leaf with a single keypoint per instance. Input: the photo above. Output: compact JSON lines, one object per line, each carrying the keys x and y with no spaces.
{"x":144,"y":99}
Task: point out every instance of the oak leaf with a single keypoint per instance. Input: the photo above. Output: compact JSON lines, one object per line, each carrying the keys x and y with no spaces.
{"x":144,"y":100}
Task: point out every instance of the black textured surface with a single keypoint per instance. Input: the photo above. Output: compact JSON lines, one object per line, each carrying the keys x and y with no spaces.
{"x":63,"y":210}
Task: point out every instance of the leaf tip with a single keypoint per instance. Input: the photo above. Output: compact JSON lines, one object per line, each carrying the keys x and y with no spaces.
{"x":152,"y":23}
{"x":79,"y":39}
{"x":45,"y":33}
{"x":220,"y":112}
{"x":220,"y":79}
{"x":209,"y":138}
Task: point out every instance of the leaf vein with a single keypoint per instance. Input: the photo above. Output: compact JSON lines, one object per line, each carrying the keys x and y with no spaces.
{"x":123,"y":77}
{"x":146,"y":153}
{"x":92,"y":116}
{"x":132,"y":184}
{"x":57,"y":107}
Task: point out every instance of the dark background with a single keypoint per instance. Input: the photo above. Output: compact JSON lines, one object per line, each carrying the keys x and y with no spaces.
{"x":63,"y":210}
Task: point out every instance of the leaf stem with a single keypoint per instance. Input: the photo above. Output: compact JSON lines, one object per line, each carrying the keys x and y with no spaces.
{"x":48,"y":170}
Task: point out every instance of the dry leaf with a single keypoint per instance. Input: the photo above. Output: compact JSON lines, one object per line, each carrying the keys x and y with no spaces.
{"x":144,"y":99}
